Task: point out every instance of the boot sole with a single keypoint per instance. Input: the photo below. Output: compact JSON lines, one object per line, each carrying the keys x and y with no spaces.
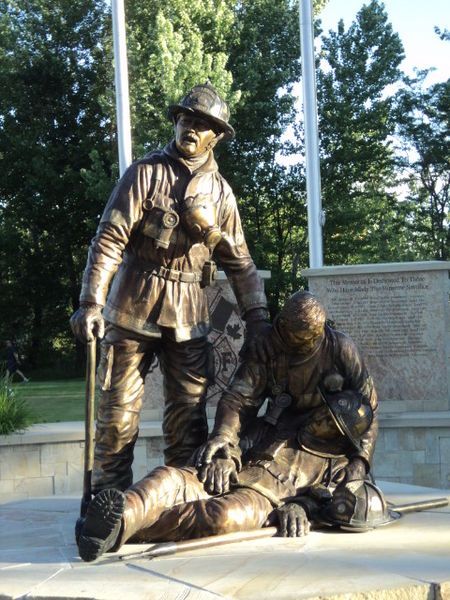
{"x":102,"y":525}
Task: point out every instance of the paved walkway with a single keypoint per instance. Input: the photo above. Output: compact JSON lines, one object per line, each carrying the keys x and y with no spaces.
{"x":409,"y":560}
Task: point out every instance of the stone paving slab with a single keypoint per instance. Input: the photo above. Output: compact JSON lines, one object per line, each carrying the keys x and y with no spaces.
{"x":409,"y":560}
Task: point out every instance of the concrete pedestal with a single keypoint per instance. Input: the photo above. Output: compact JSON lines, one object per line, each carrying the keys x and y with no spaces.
{"x":406,"y":561}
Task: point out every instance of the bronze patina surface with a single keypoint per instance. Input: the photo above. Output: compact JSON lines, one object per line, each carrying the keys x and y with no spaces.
{"x":168,"y":215}
{"x":306,"y":461}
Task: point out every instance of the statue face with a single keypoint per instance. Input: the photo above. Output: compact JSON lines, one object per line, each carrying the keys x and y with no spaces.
{"x":303,"y":341}
{"x":193,"y":135}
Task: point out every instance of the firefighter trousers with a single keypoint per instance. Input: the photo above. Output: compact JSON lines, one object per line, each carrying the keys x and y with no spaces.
{"x":125,"y":360}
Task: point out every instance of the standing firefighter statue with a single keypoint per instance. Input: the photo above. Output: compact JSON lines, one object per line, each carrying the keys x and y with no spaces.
{"x":167,"y":216}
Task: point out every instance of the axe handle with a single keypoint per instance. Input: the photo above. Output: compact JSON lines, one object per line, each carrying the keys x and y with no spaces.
{"x":89,"y":425}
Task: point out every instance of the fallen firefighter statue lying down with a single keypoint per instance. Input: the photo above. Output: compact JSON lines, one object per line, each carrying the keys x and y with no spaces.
{"x":171,"y":504}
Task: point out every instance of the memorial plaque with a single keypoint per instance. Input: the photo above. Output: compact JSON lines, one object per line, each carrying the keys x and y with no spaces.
{"x":399,"y":319}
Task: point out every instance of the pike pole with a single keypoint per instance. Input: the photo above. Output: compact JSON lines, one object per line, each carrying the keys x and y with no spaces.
{"x":168,"y":548}
{"x":89,"y":426}
{"x":421,"y":505}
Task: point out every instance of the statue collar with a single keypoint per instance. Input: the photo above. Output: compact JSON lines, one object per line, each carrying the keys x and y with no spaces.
{"x":204,"y":163}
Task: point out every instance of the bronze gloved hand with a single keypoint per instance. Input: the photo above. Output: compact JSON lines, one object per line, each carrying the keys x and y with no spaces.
{"x":87,"y":322}
{"x":258,"y":343}
{"x":217,"y":475}
{"x":292,"y":520}
{"x":217,"y":444}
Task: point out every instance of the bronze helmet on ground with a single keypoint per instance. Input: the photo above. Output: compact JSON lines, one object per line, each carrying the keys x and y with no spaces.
{"x":358,"y":506}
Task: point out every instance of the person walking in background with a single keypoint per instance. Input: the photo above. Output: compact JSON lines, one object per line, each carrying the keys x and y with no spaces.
{"x":13,"y":362}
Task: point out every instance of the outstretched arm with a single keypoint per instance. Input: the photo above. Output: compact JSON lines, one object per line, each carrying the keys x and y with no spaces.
{"x":239,"y":403}
{"x":234,"y":256}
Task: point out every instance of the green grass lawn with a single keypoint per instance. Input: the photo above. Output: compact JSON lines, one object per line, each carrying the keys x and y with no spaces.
{"x":53,"y":401}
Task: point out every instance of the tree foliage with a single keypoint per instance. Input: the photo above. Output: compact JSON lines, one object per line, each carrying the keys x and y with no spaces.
{"x":58,"y":139}
{"x":172,"y":46}
{"x":58,"y":131}
{"x":356,"y":128}
{"x":424,"y":127}
{"x":51,"y":121}
{"x":265,"y":62}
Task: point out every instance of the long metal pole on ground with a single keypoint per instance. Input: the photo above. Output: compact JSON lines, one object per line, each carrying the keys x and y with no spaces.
{"x":121,"y":83}
{"x":315,"y":213}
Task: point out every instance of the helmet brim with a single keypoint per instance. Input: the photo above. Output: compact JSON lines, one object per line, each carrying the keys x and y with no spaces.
{"x":341,"y":424}
{"x":389,"y":518}
{"x":175,"y":109}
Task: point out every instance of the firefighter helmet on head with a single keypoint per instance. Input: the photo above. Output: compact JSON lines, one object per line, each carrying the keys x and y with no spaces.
{"x":204,"y":101}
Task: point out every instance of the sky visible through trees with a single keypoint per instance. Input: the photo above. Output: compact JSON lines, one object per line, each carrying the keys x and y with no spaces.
{"x":414,"y":21}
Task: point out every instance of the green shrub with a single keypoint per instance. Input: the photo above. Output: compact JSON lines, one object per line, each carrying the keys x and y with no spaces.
{"x":15,"y":414}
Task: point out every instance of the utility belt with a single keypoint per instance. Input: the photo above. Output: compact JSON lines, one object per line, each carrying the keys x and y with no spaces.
{"x":206,"y":277}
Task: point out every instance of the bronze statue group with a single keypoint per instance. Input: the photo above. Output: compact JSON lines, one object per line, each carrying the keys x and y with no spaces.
{"x":304,"y":461}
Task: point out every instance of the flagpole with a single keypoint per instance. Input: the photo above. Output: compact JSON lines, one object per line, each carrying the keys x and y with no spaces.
{"x":313,"y":191}
{"x":121,"y":84}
